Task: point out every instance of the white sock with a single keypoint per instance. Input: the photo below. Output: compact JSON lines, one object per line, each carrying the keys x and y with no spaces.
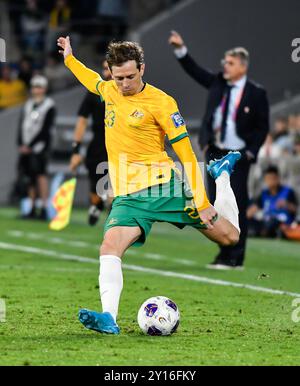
{"x":110,"y":283}
{"x":225,"y":203}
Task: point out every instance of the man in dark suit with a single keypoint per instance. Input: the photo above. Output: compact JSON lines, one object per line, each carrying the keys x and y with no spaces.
{"x":236,"y":118}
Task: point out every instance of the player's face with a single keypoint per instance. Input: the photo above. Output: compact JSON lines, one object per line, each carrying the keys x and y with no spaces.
{"x":234,"y":68}
{"x":128,"y":77}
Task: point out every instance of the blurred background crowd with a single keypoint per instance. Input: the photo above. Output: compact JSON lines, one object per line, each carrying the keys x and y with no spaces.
{"x":33,"y":27}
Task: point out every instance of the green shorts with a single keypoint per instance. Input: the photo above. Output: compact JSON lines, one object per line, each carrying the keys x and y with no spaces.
{"x":161,"y":203}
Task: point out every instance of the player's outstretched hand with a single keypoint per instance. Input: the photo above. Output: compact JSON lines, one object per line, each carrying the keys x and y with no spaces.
{"x":65,"y":44}
{"x":176,"y":40}
{"x":207,"y":216}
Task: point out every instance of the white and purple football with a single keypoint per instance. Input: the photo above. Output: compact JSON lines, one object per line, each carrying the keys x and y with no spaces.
{"x":158,"y":316}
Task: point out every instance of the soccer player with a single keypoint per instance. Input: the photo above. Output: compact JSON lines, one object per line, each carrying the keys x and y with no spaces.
{"x":96,"y":152}
{"x":146,"y":185}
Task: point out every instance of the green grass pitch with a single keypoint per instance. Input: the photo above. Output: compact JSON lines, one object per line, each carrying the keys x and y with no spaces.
{"x":44,"y":285}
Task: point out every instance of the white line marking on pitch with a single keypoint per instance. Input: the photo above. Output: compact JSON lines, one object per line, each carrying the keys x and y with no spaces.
{"x":26,"y":267}
{"x":64,"y":256}
{"x":53,"y":240}
{"x":83,"y":244}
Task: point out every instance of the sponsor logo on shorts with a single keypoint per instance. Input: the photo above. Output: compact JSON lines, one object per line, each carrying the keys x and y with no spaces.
{"x":112,"y":221}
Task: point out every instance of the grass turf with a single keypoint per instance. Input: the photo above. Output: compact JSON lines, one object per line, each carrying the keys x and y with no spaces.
{"x":220,"y":325}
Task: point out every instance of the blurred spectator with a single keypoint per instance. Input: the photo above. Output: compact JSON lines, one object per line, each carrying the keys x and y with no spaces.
{"x":33,"y":26}
{"x":59,"y":23}
{"x":297,"y":124}
{"x":36,"y":121}
{"x":12,"y":91}
{"x":113,"y":20}
{"x":281,"y":135}
{"x":57,"y":74}
{"x":276,"y":205}
{"x":297,"y":146}
{"x":15,"y":10}
{"x":292,"y":122}
{"x":25,"y":71}
{"x":83,"y":11}
{"x":270,"y":150}
{"x":140,"y":8}
{"x":116,"y":9}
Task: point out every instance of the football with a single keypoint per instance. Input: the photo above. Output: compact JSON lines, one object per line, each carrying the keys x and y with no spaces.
{"x":158,"y":316}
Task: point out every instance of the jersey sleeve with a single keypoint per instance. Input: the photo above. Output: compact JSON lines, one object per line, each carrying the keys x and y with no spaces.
{"x":171,"y":121}
{"x":89,"y":78}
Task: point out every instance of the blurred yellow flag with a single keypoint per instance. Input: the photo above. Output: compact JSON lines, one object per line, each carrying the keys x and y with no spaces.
{"x":63,"y":202}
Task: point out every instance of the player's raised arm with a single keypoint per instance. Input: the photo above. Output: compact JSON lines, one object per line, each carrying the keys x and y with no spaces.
{"x":89,"y":78}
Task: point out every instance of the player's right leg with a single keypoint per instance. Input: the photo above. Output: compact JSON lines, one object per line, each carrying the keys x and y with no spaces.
{"x":226,"y":229}
{"x":116,"y":241}
{"x":223,"y":233}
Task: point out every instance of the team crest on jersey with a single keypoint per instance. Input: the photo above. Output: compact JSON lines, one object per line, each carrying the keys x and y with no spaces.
{"x":177,"y":120}
{"x":137,"y":114}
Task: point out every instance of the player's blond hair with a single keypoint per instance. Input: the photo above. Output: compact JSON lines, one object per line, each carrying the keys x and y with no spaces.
{"x":119,"y":53}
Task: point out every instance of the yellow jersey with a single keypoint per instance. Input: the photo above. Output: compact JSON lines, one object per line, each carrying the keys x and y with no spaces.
{"x":135,"y":130}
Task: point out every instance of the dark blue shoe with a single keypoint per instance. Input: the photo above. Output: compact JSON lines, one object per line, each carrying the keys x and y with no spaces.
{"x":225,"y":164}
{"x":100,"y":322}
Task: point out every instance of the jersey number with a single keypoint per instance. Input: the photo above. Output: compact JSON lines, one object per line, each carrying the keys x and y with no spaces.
{"x":110,"y":118}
